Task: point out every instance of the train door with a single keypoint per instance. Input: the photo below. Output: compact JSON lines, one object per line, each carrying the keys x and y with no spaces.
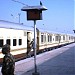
{"x":30,"y":36}
{"x":28,"y":42}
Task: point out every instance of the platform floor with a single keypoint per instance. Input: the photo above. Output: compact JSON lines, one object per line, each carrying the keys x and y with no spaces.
{"x":59,"y":61}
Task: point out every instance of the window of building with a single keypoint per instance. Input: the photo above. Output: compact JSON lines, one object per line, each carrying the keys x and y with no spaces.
{"x":14,"y":42}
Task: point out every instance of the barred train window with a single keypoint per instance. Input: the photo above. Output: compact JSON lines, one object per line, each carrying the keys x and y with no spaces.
{"x":14,"y":42}
{"x":44,"y":38}
{"x":63,"y":37}
{"x":1,"y":42}
{"x":41,"y":38}
{"x":8,"y":41}
{"x":50,"y":38}
{"x":59,"y":37}
{"x":69,"y":37}
{"x":56,"y":38}
{"x":72,"y":37}
{"x":20,"y":41}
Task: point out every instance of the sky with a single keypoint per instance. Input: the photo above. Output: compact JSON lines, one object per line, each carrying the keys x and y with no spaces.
{"x":58,"y":18}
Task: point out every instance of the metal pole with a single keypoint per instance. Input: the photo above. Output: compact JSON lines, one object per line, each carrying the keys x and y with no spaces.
{"x":35,"y":66}
{"x":35,"y":45}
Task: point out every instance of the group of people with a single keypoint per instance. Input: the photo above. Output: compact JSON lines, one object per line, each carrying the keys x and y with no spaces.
{"x":8,"y":65}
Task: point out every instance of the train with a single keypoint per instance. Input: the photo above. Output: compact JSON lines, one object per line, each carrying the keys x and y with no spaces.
{"x":17,"y":36}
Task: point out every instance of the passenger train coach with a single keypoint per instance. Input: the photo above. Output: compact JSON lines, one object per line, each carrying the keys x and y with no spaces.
{"x":16,"y":35}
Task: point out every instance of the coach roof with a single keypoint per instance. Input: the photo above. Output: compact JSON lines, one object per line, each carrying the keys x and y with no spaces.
{"x":11,"y":25}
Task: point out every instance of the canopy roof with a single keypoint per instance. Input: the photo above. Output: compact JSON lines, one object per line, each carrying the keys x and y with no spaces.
{"x":26,"y":8}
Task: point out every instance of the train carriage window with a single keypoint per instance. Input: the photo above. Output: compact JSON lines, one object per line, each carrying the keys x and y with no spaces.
{"x":72,"y":38}
{"x":8,"y":41}
{"x":14,"y":42}
{"x":59,"y":37}
{"x":41,"y":38}
{"x":1,"y":42}
{"x":20,"y":41}
{"x":63,"y":37}
{"x":56,"y":38}
{"x":69,"y":38}
{"x":50,"y":38}
{"x":44,"y":38}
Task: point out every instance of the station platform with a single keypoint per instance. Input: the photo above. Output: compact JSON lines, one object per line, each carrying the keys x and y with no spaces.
{"x":59,"y":61}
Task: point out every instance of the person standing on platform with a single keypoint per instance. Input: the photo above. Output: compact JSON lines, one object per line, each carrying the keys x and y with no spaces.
{"x":8,"y":64}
